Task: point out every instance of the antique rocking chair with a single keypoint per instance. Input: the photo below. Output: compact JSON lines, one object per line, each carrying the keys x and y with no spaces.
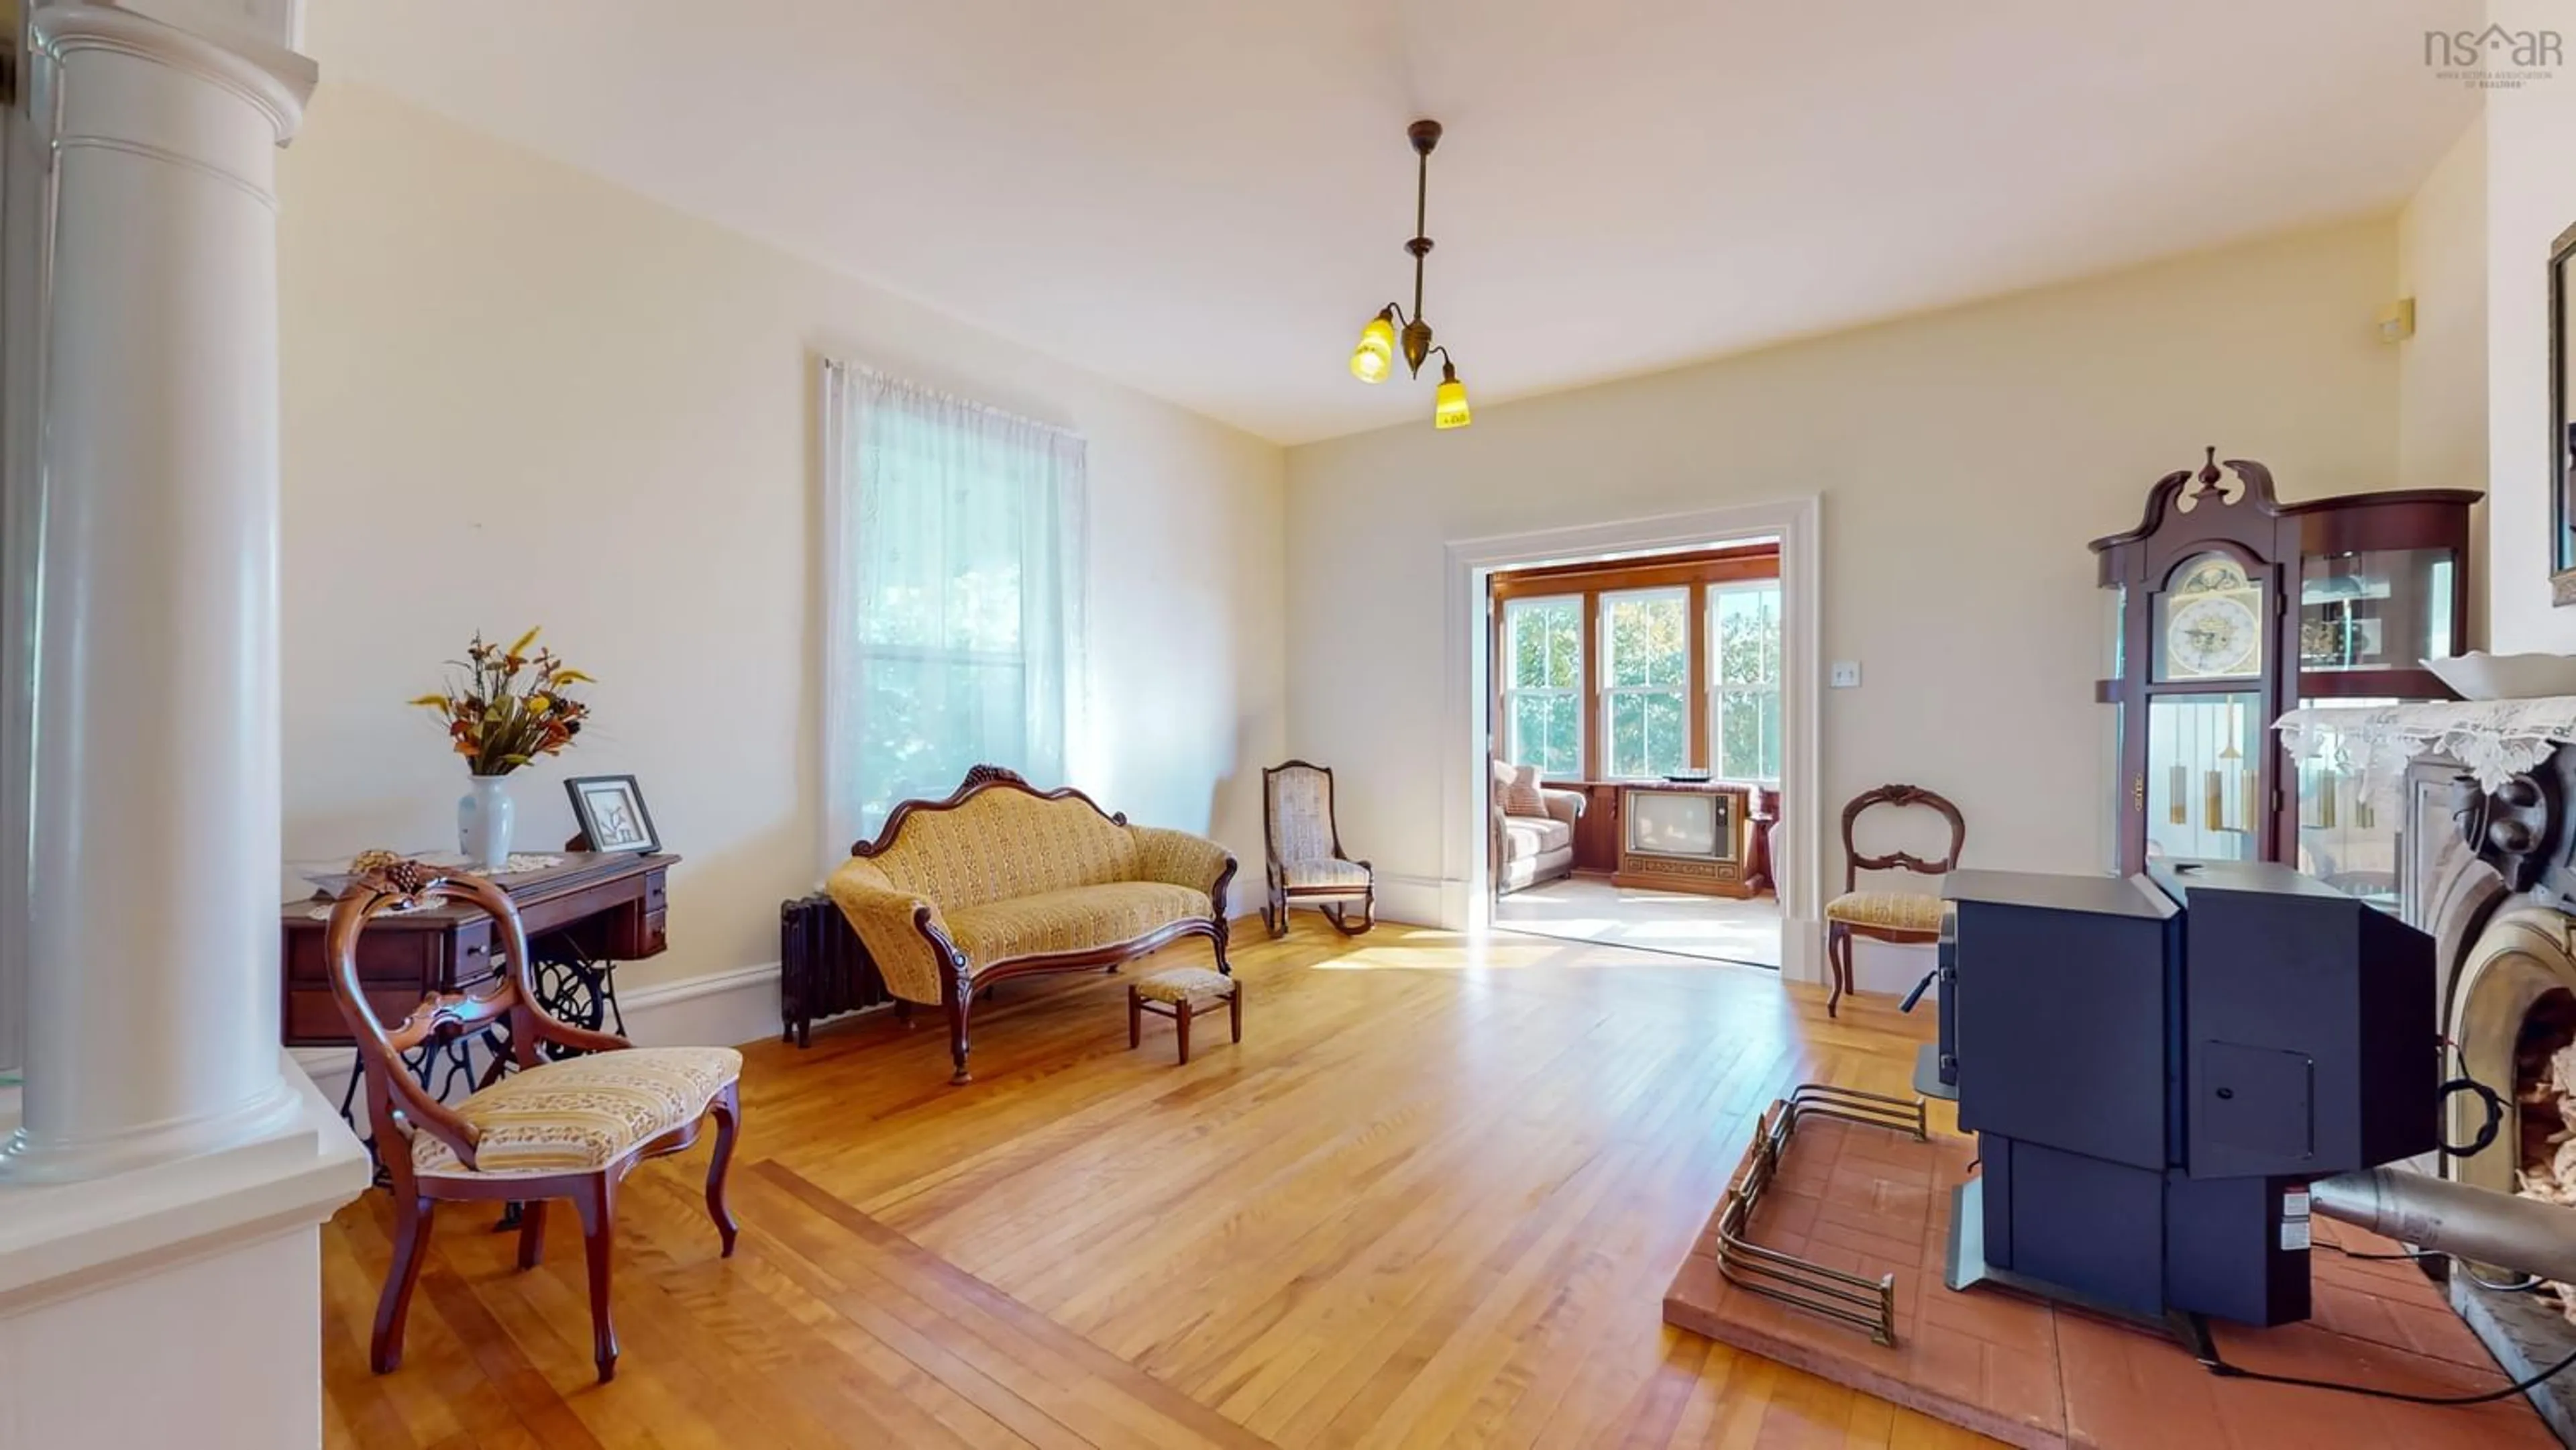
{"x":570,"y":1128}
{"x":1306,"y":864}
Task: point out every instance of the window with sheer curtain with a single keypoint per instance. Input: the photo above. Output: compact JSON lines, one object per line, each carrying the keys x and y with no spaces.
{"x":954,"y":562}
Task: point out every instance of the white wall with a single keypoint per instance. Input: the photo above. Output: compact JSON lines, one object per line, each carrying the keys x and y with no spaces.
{"x":1964,"y":459}
{"x":2530,"y":199}
{"x":2442,"y":369}
{"x":516,"y":394}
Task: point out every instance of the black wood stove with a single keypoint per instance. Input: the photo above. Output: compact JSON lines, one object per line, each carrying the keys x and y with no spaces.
{"x":2157,"y":1067}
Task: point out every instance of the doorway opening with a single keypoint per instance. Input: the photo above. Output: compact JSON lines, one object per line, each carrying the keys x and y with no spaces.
{"x":1635,"y":717}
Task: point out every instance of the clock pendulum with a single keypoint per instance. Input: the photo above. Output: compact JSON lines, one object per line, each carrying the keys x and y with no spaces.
{"x":2213,"y":787}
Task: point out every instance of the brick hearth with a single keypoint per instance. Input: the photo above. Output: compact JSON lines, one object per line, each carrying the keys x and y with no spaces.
{"x":1868,"y":1201}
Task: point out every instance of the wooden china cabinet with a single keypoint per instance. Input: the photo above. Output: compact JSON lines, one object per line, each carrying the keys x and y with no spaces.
{"x":2230,"y":607}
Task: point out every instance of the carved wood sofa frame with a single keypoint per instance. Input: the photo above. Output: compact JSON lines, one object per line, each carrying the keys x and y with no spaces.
{"x":399,"y":1107}
{"x":960,"y":982}
{"x":1274,"y":911}
{"x":1838,"y":934}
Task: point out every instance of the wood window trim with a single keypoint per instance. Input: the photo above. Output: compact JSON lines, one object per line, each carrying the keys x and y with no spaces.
{"x":1694,"y":571}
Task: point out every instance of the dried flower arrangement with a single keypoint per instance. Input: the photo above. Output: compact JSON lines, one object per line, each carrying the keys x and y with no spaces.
{"x":510,"y":706}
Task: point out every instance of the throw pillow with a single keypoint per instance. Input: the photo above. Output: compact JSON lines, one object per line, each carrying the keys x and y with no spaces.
{"x":1521,"y":797}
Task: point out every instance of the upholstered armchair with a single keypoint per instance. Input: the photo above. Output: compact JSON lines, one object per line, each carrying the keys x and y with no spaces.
{"x":1531,"y":829}
{"x":571,"y":1128}
{"x":1307,"y":865}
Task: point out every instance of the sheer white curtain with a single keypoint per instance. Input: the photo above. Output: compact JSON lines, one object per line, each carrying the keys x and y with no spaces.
{"x":953,"y":554}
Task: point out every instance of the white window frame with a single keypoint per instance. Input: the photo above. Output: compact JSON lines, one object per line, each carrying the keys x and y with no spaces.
{"x":1512,"y":609}
{"x":1719,"y":685}
{"x":1611,"y":693}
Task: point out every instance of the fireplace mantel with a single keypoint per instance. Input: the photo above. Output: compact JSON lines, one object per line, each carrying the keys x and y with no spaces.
{"x":2492,"y":740}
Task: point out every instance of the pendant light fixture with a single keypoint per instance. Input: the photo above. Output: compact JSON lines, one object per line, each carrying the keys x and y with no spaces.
{"x":1374,"y":358}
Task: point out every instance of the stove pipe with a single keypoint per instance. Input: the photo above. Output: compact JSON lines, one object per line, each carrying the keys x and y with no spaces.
{"x":2480,"y":1225}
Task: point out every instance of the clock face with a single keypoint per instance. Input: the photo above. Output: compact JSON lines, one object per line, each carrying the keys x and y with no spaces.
{"x":2213,"y":635}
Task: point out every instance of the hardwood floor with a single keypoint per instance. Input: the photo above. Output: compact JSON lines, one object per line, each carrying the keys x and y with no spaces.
{"x":1432,"y":1199}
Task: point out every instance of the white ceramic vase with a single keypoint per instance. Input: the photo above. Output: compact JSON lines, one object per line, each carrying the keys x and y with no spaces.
{"x":483,"y":824}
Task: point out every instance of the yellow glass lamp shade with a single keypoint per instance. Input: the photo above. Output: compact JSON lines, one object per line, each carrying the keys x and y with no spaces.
{"x":1449,"y":410}
{"x":1374,"y":358}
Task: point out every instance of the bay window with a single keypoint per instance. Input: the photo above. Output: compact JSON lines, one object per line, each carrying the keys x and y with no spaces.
{"x":1744,"y":678}
{"x":1645,"y":681}
{"x":1543,"y":686}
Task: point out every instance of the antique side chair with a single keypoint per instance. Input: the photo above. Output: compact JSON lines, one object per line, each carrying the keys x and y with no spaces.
{"x":1307,"y":865}
{"x":1892,"y":916}
{"x":565,"y":1129}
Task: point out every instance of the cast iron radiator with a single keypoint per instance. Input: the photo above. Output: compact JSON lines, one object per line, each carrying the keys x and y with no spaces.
{"x":823,"y":970}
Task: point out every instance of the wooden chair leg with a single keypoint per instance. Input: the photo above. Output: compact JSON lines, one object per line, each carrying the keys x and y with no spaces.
{"x":412,"y":1224}
{"x":532,"y":1233}
{"x":1181,"y":1020}
{"x":727,"y":1108}
{"x":1135,"y":1020}
{"x":960,"y":1001}
{"x":1837,"y":952}
{"x":1234,"y":1010}
{"x":597,"y":1201}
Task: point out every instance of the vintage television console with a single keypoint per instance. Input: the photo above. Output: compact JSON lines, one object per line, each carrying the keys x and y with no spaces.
{"x":2157,"y":1068}
{"x":1685,"y":836}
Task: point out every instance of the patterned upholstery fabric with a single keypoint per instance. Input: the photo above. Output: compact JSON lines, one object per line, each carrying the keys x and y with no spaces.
{"x":1184,"y":984}
{"x":1005,"y":843}
{"x":1178,"y":858}
{"x":581,"y":1113}
{"x":883,"y":918}
{"x":1521,"y":797}
{"x":1896,"y":910}
{"x":1301,"y":815}
{"x":1007,"y":875}
{"x":1082,"y":919}
{"x":1323,"y":872}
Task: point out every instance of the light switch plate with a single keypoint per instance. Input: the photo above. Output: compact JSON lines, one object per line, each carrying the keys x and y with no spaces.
{"x":1846,"y":675}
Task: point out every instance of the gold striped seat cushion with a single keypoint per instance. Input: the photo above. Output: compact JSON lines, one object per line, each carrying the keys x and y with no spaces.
{"x":1893,"y":910}
{"x":1083,"y":919}
{"x":582,"y":1113}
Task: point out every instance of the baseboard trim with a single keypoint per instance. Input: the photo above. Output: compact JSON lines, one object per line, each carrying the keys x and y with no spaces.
{"x":1414,"y":900}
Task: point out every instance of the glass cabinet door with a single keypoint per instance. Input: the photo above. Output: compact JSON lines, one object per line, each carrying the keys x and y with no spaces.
{"x":2382,"y":610}
{"x":2205,"y":776}
{"x":2347,"y":838}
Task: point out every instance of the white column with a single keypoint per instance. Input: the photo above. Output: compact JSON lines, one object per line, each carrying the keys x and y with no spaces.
{"x":152,"y":996}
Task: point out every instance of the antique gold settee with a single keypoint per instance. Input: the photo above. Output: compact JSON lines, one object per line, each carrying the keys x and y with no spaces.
{"x":1003,"y":880}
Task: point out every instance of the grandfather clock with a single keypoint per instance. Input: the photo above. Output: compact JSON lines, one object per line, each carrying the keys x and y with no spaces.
{"x":2230,"y":608}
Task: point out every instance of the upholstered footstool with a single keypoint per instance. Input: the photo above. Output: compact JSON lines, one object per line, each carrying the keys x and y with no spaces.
{"x":1178,"y":993}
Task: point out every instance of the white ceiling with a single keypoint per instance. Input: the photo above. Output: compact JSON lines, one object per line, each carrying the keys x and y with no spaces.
{"x":1206,"y":198}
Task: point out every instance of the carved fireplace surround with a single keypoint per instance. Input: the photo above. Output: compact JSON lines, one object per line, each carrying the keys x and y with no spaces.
{"x":2490,"y":876}
{"x":2486,"y":800}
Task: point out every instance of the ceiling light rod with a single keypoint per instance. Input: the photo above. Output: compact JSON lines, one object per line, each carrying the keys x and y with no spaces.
{"x":1381,"y":338}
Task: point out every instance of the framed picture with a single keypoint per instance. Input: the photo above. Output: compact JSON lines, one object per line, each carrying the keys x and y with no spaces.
{"x":610,"y":810}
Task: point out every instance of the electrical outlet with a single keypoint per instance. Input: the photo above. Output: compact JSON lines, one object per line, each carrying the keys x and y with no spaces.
{"x":1846,"y":675}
